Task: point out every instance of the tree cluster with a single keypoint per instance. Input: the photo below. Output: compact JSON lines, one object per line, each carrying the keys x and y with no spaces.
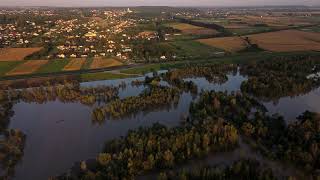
{"x":239,"y":170}
{"x":157,"y":147}
{"x":279,"y":77}
{"x":68,"y":92}
{"x":297,"y":143}
{"x":11,"y":151}
{"x":212,"y":73}
{"x":152,"y":98}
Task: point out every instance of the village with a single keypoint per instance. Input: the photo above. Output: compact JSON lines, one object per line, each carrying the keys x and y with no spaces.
{"x":99,"y":33}
{"x":40,"y":41}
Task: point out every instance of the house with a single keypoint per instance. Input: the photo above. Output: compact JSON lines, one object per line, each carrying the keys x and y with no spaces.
{"x":90,"y":34}
{"x":62,"y":56}
{"x":127,"y":50}
{"x":73,"y":56}
{"x":163,"y":57}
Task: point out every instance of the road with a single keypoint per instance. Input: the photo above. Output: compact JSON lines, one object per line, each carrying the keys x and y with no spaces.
{"x":65,"y":73}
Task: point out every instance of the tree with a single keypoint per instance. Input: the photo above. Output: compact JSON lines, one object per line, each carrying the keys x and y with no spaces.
{"x":104,"y":158}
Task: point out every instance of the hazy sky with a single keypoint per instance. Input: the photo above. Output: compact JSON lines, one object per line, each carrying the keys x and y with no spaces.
{"x":155,"y":2}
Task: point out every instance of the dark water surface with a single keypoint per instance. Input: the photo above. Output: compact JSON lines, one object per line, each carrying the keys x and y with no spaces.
{"x":291,"y":107}
{"x":60,"y":134}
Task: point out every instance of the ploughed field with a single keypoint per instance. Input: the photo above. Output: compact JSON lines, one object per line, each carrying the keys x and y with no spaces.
{"x":193,"y":30}
{"x":28,"y":67}
{"x":230,"y":44}
{"x":249,"y":24}
{"x":278,"y":41}
{"x":98,"y":63}
{"x":74,"y":64}
{"x":286,"y":41}
{"x":16,"y":54}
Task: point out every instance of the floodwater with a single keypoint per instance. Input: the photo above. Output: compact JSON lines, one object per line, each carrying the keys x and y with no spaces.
{"x":60,"y":134}
{"x":292,"y":107}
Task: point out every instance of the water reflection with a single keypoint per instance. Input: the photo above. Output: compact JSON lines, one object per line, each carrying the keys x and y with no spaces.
{"x":232,"y":84}
{"x":53,"y":145}
{"x":60,"y":133}
{"x":292,"y":107}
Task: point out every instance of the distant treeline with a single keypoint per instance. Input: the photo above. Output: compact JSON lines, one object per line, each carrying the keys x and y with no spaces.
{"x":201,"y":24}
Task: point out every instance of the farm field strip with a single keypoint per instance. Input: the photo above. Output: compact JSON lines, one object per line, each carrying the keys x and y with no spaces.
{"x":193,"y":49}
{"x":184,"y":26}
{"x":230,"y":44}
{"x":53,"y":66}
{"x":16,"y":54}
{"x":27,"y":68}
{"x":279,"y":41}
{"x":275,"y":21}
{"x":6,"y":66}
{"x":98,"y":63}
{"x":191,"y":29}
{"x":287,"y":40}
{"x":74,"y":64}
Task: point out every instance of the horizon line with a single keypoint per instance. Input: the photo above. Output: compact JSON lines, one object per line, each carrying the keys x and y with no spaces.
{"x":121,"y":6}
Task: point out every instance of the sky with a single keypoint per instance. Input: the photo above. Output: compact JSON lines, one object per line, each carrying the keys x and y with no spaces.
{"x":71,"y":3}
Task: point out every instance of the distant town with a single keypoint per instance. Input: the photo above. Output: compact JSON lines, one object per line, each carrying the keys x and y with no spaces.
{"x":119,"y":32}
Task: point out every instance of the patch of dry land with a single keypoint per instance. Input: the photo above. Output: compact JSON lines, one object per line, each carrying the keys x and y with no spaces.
{"x":230,"y":44}
{"x":74,"y":64}
{"x":28,"y":67}
{"x":287,"y":40}
{"x":16,"y":54}
{"x":235,"y":26}
{"x":99,"y":63}
{"x":274,"y":21}
{"x":191,"y":29}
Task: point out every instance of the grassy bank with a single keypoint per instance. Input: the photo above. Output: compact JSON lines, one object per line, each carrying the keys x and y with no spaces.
{"x":53,"y":66}
{"x":236,"y":59}
{"x":102,"y":76}
{"x":7,"y":66}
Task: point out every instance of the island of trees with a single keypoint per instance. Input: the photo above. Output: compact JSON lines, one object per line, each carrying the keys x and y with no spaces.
{"x":296,"y":143}
{"x":242,"y":169}
{"x":157,"y":147}
{"x":280,"y":77}
{"x":152,"y":98}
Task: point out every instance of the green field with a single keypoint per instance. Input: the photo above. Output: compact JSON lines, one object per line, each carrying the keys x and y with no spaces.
{"x":183,"y":37}
{"x":218,"y":21}
{"x":250,"y":30}
{"x":193,"y":49}
{"x":102,"y":76}
{"x":7,"y":66}
{"x":311,"y":29}
{"x":53,"y":66}
{"x":143,"y":70}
